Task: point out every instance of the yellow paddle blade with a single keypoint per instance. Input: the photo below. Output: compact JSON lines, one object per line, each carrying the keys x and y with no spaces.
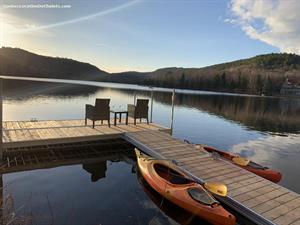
{"x":240,"y":161}
{"x":216,"y":188}
{"x":137,"y":152}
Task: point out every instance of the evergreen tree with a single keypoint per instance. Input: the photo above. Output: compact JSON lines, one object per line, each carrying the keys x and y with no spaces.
{"x":182,"y":80}
{"x":244,"y":83}
{"x":223,"y":80}
{"x":217,"y":82}
{"x":258,"y":84}
{"x":267,"y":87}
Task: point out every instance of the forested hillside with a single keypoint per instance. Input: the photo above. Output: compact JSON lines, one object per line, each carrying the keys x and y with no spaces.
{"x":18,"y":62}
{"x":263,"y":74}
{"x":257,"y":75}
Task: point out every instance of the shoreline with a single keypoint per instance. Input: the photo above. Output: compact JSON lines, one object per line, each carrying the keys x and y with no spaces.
{"x":137,"y":87}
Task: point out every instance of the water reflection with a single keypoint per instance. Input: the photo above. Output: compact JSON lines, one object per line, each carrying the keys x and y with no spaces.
{"x":110,"y":194}
{"x":56,"y":190}
{"x":97,"y":170}
{"x":265,"y":129}
{"x":257,"y":113}
{"x":23,"y":90}
{"x":263,"y":114}
{"x":279,"y":152}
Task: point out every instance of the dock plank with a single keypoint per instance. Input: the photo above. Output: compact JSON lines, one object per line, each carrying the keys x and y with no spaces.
{"x":252,"y":194}
{"x":282,"y":209}
{"x":297,"y":222}
{"x":30,"y":133}
{"x":290,"y":217}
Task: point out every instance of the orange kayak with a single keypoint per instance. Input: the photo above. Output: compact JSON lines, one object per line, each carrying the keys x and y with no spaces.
{"x":251,"y":166}
{"x":173,"y":211}
{"x":168,"y":180}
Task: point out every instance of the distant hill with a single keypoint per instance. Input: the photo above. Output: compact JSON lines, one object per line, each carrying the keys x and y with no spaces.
{"x":18,"y":62}
{"x":257,"y":75}
{"x":130,"y":77}
{"x":263,"y":74}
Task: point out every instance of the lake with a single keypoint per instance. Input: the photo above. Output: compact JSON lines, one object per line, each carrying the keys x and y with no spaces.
{"x":264,"y":129}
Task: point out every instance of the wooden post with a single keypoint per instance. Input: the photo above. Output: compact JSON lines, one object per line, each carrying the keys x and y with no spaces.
{"x":172,"y":113}
{"x":151,"y":112}
{"x":1,"y":119}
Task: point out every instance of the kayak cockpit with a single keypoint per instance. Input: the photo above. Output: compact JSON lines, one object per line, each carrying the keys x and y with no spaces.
{"x":170,"y":175}
{"x":256,"y":166}
{"x":201,"y":196}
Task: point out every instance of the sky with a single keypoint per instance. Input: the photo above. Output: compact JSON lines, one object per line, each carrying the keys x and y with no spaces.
{"x":144,"y":35}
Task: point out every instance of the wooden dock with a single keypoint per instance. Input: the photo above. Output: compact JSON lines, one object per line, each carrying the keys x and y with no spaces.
{"x":19,"y":134}
{"x":260,"y":200}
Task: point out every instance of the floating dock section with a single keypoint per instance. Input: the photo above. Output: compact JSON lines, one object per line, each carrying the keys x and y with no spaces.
{"x":256,"y":198}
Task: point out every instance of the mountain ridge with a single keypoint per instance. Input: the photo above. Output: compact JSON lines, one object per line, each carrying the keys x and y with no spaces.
{"x":256,"y":75}
{"x":44,"y":66}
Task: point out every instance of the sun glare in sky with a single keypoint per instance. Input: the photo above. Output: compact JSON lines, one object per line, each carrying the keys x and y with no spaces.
{"x":146,"y":35}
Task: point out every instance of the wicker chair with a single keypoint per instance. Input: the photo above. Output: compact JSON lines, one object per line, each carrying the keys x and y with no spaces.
{"x":101,"y":111}
{"x":139,"y":111}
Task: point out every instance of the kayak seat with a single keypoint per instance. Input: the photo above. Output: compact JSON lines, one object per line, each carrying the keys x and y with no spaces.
{"x":178,"y":180}
{"x":170,"y":175}
{"x":256,"y":166}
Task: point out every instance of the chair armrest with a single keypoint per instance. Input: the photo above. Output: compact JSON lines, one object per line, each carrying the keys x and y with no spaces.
{"x":89,"y":111}
{"x":131,"y":110}
{"x":131,"y":107}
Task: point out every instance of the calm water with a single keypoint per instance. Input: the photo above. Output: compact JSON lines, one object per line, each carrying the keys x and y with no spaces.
{"x":267,"y":130}
{"x":103,"y":192}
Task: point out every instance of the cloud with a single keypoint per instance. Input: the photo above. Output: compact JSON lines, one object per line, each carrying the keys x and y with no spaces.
{"x":275,"y":22}
{"x":266,"y":148}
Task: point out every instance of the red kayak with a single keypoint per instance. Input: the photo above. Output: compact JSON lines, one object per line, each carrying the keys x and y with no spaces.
{"x":253,"y":167}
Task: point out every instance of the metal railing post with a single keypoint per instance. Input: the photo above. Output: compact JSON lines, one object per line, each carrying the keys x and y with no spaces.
{"x":1,"y":119}
{"x":151,"y":113}
{"x":134,"y":99}
{"x":172,"y":113}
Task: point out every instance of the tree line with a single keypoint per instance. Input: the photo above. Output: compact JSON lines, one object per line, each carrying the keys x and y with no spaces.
{"x":258,"y":84}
